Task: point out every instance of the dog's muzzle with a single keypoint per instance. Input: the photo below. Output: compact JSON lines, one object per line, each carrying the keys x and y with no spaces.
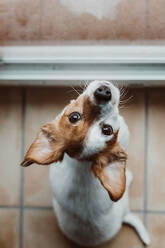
{"x":103,"y":94}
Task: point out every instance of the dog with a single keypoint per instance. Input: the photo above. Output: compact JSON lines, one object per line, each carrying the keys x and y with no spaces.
{"x":90,"y":182}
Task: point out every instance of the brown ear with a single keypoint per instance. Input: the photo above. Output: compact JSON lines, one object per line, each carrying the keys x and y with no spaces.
{"x":45,"y":149}
{"x":112,"y":175}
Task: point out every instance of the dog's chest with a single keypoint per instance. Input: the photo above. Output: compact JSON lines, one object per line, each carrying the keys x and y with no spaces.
{"x":79,"y":192}
{"x":82,"y":206}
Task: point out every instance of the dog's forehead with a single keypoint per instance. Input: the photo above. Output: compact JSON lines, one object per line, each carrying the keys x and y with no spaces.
{"x":83,"y":104}
{"x":75,"y":105}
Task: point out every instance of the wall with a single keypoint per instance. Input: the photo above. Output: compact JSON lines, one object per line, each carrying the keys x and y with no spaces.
{"x":77,"y":20}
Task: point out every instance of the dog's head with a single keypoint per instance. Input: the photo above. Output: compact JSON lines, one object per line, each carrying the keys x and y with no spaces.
{"x":87,"y":129}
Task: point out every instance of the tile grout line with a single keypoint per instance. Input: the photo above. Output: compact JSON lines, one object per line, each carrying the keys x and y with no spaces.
{"x":38,"y":208}
{"x":159,"y":212}
{"x":21,"y":221}
{"x":27,"y":207}
{"x":146,"y":158}
{"x":43,"y":208}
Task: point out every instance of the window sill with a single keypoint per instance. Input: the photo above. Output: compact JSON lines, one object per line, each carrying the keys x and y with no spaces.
{"x":61,"y":65}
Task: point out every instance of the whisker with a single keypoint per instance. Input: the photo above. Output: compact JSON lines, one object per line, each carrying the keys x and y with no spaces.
{"x":70,"y":91}
{"x":124,"y":96}
{"x":123,"y":92}
{"x":83,"y":85}
{"x":75,"y":90}
{"x":86,"y":83}
{"x":123,"y":102}
{"x":123,"y":107}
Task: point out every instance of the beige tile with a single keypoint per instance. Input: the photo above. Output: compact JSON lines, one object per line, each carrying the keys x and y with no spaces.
{"x":134,"y":114}
{"x":156,"y":168}
{"x":10,"y":142}
{"x":127,"y":237}
{"x":156,"y":19}
{"x":156,"y":225}
{"x":9,"y":228}
{"x":42,"y":106}
{"x":41,"y":230}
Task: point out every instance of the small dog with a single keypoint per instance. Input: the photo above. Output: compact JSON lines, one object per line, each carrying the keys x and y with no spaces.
{"x":89,"y":181}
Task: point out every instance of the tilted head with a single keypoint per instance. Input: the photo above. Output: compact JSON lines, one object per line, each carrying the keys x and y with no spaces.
{"x":87,"y":129}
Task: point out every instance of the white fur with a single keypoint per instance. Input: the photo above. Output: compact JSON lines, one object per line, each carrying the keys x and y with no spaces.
{"x":84,"y":210}
{"x":111,"y":107}
{"x":132,"y":220}
{"x":95,"y":140}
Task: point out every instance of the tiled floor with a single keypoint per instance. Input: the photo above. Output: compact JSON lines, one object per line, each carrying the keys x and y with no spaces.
{"x":26,"y":216}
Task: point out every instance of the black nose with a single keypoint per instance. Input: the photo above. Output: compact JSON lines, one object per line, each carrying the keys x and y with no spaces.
{"x":103,"y":94}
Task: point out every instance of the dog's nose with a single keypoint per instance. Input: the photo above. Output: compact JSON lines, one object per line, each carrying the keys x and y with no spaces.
{"x":103,"y":94}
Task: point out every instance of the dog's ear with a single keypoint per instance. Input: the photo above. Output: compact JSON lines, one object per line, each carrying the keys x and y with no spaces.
{"x":112,"y":174}
{"x":46,"y":148}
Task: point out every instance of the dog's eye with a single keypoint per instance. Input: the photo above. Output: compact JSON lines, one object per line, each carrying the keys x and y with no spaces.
{"x":74,"y":117}
{"x":107,"y":129}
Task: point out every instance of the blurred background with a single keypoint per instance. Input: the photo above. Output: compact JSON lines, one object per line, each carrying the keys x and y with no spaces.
{"x":48,"y":51}
{"x":81,"y":22}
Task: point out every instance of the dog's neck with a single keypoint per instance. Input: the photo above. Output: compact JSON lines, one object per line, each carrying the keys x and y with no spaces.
{"x":83,"y":181}
{"x":77,"y":165}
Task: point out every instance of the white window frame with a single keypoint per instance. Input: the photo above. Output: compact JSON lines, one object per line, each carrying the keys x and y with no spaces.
{"x":58,"y":65}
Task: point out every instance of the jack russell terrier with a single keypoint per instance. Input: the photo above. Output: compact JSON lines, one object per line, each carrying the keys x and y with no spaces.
{"x":90,"y":181}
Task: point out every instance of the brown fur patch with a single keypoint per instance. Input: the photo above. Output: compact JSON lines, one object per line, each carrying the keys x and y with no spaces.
{"x":109,"y":167}
{"x":61,"y":136}
{"x":45,"y":149}
{"x":74,"y":134}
